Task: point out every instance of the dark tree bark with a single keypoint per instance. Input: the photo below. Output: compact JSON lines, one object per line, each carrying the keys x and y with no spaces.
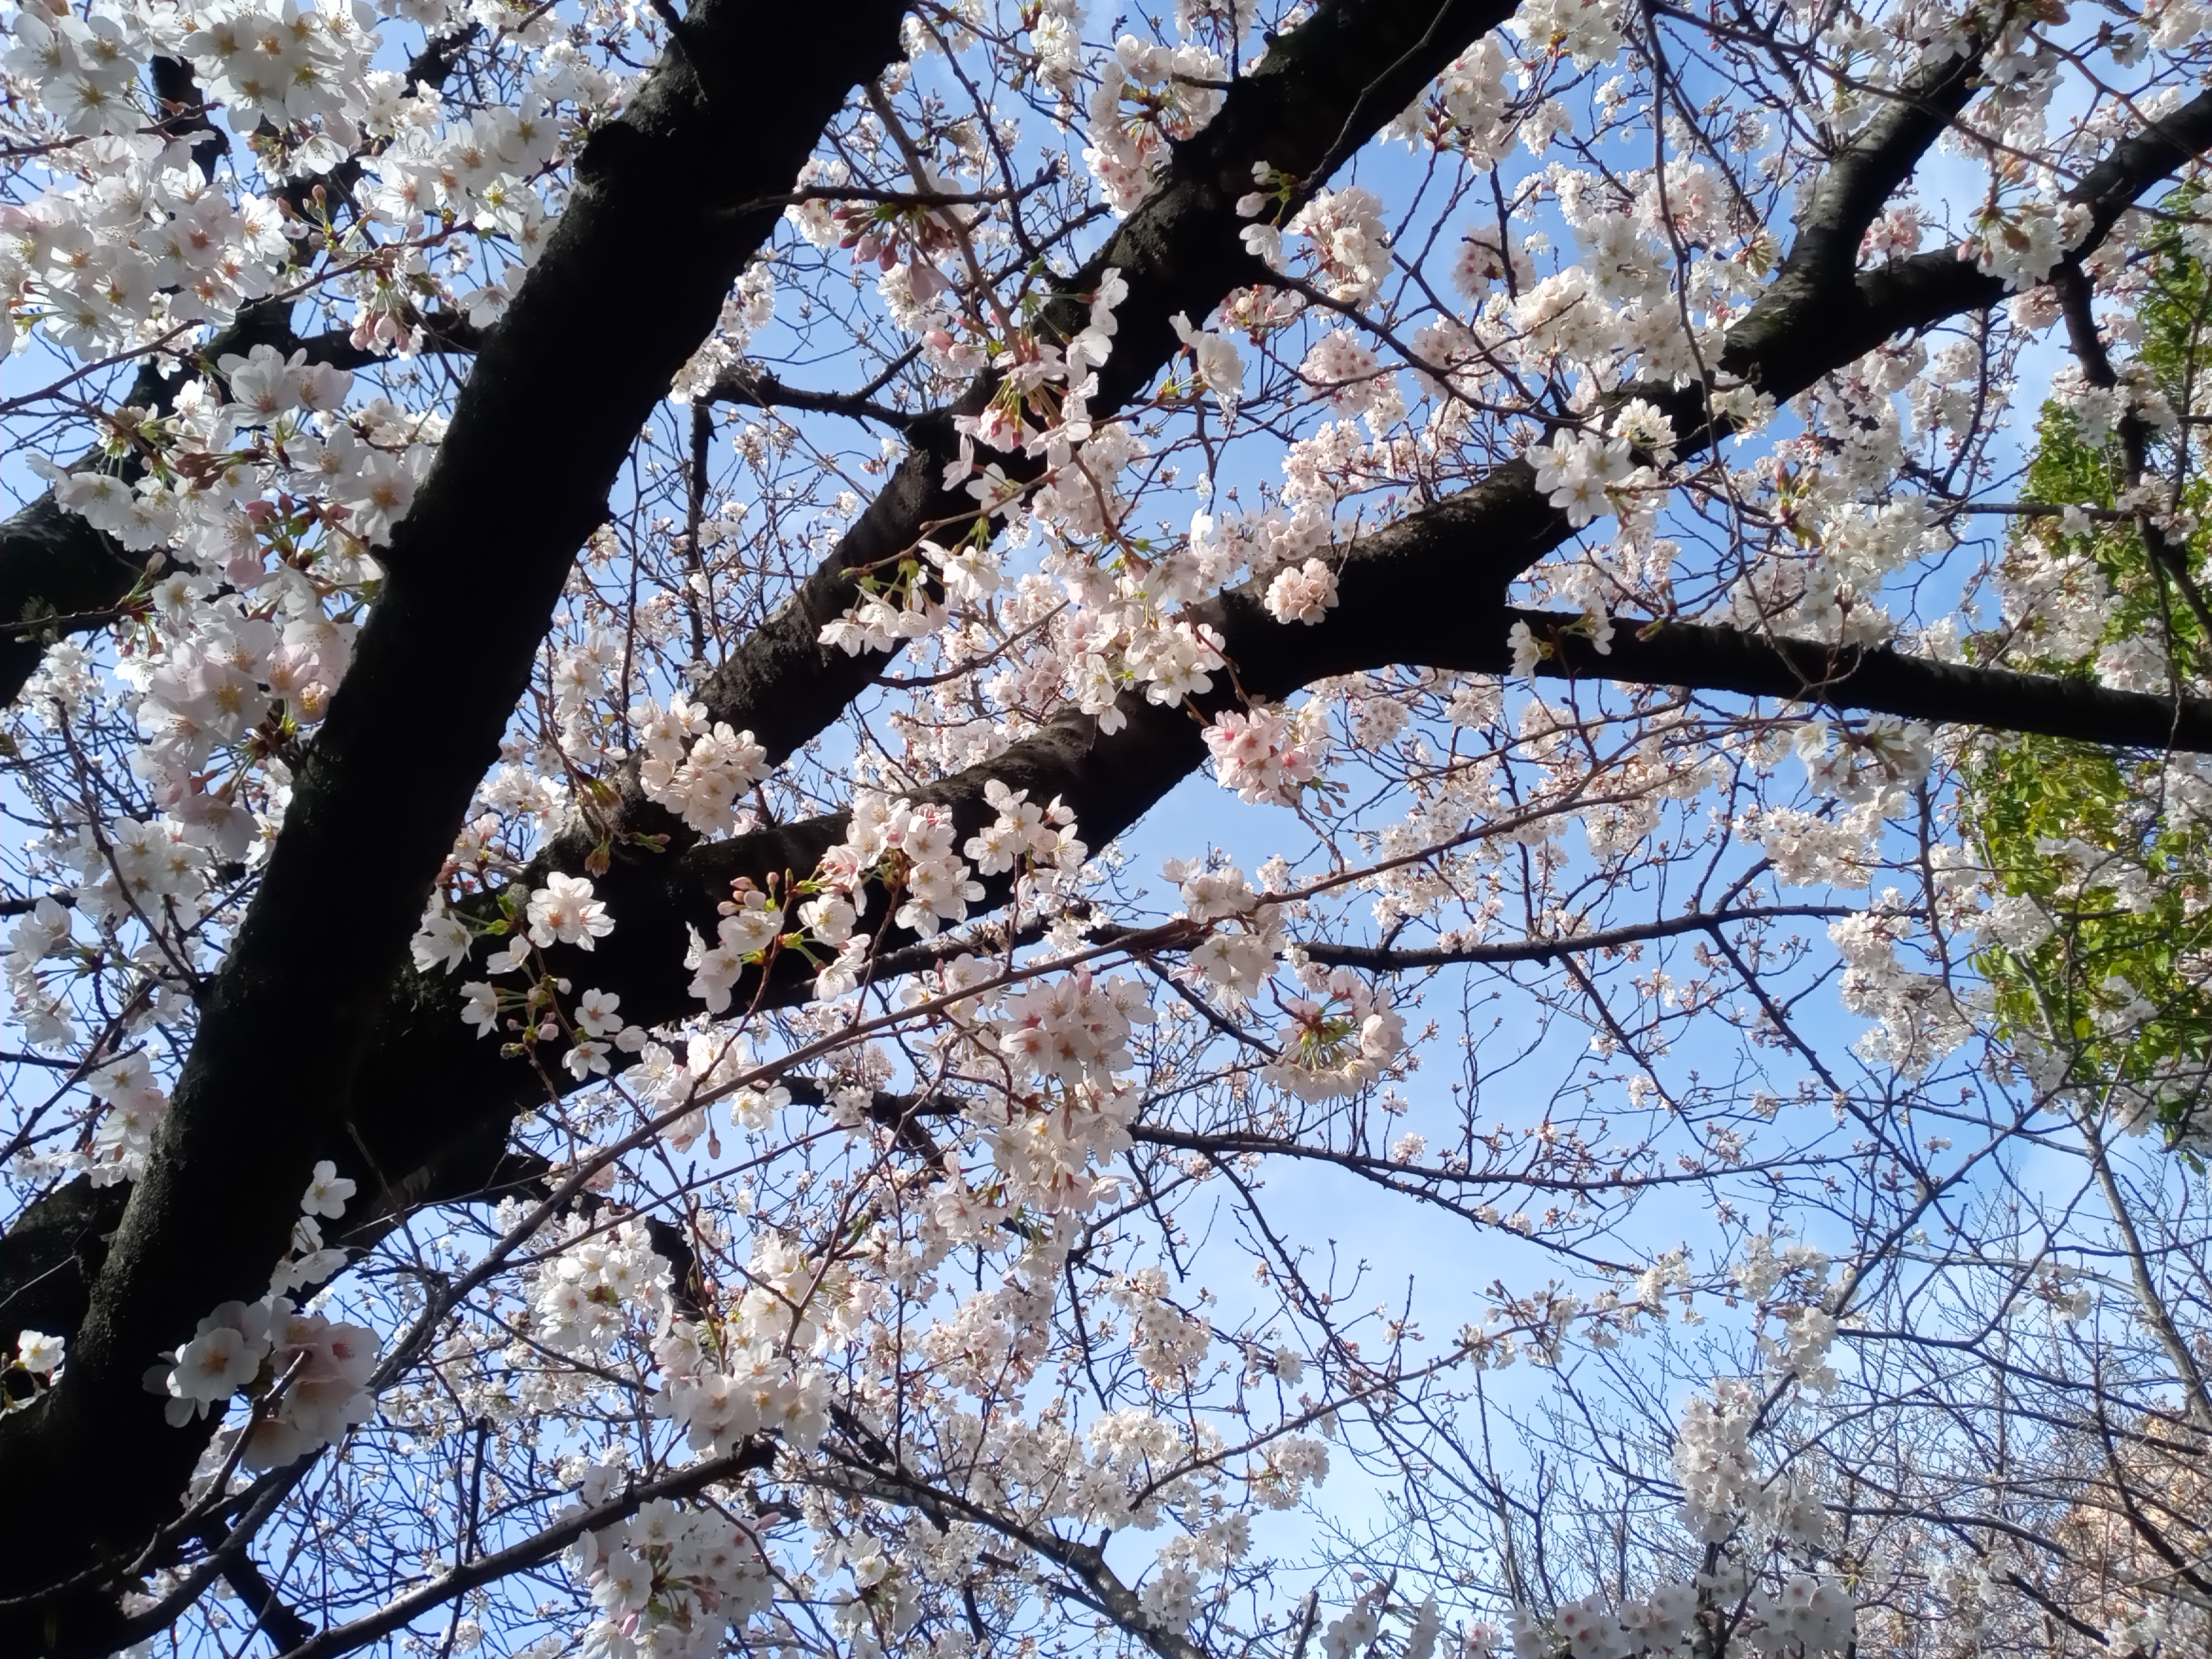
{"x":662,"y":198}
{"x":58,"y":575}
{"x":315,"y":1040}
{"x":1430,"y":590}
{"x":1324,"y":89}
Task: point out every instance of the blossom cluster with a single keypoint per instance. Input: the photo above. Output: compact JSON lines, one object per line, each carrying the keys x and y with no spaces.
{"x":696,"y":766}
{"x":721,"y":1399}
{"x":1269,"y":754}
{"x":599,"y":1286}
{"x":1173,"y":103}
{"x":305,"y":1373}
{"x":1339,"y":1037}
{"x":670,"y":1582}
{"x":1725,"y":1490}
{"x":750,"y":923}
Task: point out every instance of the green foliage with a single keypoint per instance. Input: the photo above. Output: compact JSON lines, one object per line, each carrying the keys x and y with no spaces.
{"x":2133,"y":925}
{"x":2122,"y":988}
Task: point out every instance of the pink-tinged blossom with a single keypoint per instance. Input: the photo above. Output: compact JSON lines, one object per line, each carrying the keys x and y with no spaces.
{"x":1235,"y":965}
{"x":1042,"y":837}
{"x":1339,"y":1037}
{"x":1341,"y":368}
{"x":1577,"y":471}
{"x":1303,"y":594}
{"x":749,"y":925}
{"x":2022,"y":245}
{"x":1268,"y":754}
{"x":1350,"y":241}
{"x":564,"y":912}
{"x":136,"y":1103}
{"x":597,"y":1015}
{"x":696,"y":766}
{"x":1178,"y":662}
{"x":214,"y":1364}
{"x":480,"y":1006}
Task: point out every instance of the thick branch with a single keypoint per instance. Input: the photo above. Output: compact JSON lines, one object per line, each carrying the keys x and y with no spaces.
{"x":381,"y":795}
{"x":1387,"y":959}
{"x":1822,"y":323}
{"x":1429,"y":589}
{"x":541,"y":1547}
{"x":1865,"y":173}
{"x":1880,"y":682}
{"x":1180,"y":251}
{"x":427,"y":1073}
{"x":285,"y":1627}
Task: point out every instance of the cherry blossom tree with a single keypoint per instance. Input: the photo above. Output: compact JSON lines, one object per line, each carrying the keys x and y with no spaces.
{"x":987,"y":829}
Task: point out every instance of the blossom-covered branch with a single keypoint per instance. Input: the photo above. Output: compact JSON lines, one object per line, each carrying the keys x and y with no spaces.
{"x":1687,"y":817}
{"x":273,"y":1065}
{"x":1344,"y":70}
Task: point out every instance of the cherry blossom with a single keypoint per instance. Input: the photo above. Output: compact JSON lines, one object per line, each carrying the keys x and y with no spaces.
{"x":715,"y":552}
